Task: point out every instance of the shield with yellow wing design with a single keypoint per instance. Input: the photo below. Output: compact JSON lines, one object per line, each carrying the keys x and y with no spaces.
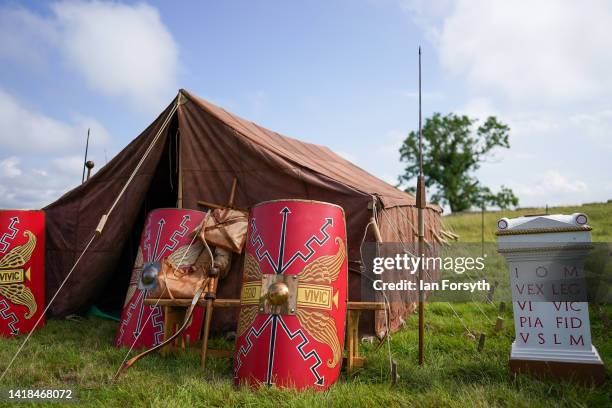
{"x":22,"y":262}
{"x":293,"y":299}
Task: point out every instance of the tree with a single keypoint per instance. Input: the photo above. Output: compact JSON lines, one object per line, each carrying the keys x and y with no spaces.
{"x":453,"y":148}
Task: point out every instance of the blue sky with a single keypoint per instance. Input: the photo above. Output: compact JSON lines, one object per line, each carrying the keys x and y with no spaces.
{"x":338,"y":73}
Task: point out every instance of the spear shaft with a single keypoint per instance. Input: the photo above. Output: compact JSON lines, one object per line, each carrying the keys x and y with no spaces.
{"x":421,"y":202}
{"x":85,"y":160}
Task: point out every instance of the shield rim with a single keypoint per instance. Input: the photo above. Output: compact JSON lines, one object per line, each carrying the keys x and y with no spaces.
{"x":346,"y":300}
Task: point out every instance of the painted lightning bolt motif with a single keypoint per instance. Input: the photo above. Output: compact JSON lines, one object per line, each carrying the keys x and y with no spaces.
{"x":313,"y":239}
{"x":291,"y":346}
{"x":160,"y":228}
{"x":174,"y":238}
{"x":280,"y":266}
{"x":133,"y":305}
{"x":4,"y":307}
{"x":319,"y":380}
{"x":258,"y":244}
{"x":9,"y":235}
{"x":141,"y":296}
{"x":157,"y":321}
{"x":243,"y":351}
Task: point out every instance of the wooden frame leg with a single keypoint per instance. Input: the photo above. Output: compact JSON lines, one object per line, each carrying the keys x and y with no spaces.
{"x":206,"y":331}
{"x":352,"y":341}
{"x":172,"y":317}
{"x":356,"y":337}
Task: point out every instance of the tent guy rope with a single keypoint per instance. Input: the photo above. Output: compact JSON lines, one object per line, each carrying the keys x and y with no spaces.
{"x":97,"y":232}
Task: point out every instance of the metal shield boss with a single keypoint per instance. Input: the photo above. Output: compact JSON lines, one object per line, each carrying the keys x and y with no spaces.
{"x":293,"y":298}
{"x":166,"y":234}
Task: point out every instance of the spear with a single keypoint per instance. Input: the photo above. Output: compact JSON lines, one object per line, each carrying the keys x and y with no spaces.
{"x":85,"y":160}
{"x":421,"y":203}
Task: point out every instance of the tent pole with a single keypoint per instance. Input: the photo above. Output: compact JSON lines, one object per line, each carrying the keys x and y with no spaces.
{"x":179,"y":200}
{"x":85,"y":160}
{"x":421,"y":202}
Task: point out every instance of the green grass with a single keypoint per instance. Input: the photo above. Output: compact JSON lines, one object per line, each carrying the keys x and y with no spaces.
{"x":468,"y":225}
{"x":80,"y":355}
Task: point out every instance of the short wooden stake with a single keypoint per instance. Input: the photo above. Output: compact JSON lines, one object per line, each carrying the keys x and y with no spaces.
{"x":394,"y":374}
{"x":499,"y":324}
{"x":481,"y":342}
{"x":502,"y":307}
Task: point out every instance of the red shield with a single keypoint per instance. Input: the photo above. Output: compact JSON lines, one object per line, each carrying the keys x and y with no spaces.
{"x":22,"y":273}
{"x":166,"y":231}
{"x":293,"y":299}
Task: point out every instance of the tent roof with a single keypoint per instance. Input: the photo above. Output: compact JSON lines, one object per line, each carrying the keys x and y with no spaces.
{"x":315,"y":157}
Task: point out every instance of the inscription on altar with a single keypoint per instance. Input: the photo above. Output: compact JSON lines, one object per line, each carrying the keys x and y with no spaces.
{"x":538,"y":323}
{"x":545,"y":255}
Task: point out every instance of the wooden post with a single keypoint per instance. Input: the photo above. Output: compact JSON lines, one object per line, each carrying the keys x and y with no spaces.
{"x":481,"y":342}
{"x":207,"y":319}
{"x":172,"y":315}
{"x":232,"y":197}
{"x":499,"y":324}
{"x":394,"y":374}
{"x":352,"y":334}
{"x":502,"y":307}
{"x":421,"y":204}
{"x":212,"y":290}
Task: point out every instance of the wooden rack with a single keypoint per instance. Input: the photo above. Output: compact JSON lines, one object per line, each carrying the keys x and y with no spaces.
{"x":174,"y":310}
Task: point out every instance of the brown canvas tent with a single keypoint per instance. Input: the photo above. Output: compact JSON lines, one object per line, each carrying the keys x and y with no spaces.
{"x":207,"y":147}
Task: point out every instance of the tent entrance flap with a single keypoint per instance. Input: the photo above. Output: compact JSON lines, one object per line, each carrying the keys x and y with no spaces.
{"x":163,"y":193}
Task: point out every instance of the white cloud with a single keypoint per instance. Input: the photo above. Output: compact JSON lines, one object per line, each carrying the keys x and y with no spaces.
{"x":121,"y":51}
{"x":552,"y":183}
{"x":45,"y":153}
{"x":478,"y":107}
{"x":546,"y":51}
{"x":24,"y":130}
{"x":68,"y":164}
{"x":9,"y":167}
{"x":22,"y":185}
{"x":425,"y":13}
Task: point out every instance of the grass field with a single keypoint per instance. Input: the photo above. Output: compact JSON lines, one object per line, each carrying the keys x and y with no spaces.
{"x":80,"y":355}
{"x":468,"y":225}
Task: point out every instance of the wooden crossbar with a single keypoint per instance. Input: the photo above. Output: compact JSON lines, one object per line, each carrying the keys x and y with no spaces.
{"x":354,"y":308}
